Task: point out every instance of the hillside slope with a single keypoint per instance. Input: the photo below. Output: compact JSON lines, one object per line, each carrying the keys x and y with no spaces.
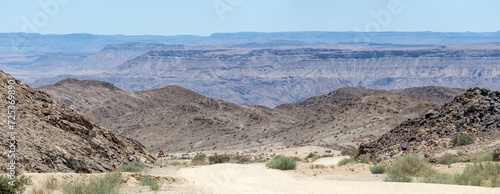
{"x":476,"y":113}
{"x":174,"y":118}
{"x":53,"y":138}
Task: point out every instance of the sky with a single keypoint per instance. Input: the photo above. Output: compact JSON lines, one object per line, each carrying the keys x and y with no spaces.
{"x":204,"y":17}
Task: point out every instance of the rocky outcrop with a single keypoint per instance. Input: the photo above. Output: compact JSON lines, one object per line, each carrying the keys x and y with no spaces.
{"x":476,"y":113}
{"x":53,"y":138}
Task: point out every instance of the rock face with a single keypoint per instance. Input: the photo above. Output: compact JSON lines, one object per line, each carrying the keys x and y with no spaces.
{"x":53,"y":138}
{"x":270,"y":77}
{"x":476,"y":113}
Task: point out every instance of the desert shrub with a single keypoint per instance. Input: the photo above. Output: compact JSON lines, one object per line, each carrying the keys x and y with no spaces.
{"x":107,"y":184}
{"x":149,"y":181}
{"x":479,"y":174}
{"x":406,"y":167}
{"x":396,"y":176}
{"x":130,"y":168}
{"x":365,"y":160}
{"x":241,"y":159}
{"x":217,"y":159}
{"x":438,"y":178}
{"x":327,"y":155}
{"x":485,"y":157}
{"x":20,"y":183}
{"x":199,"y":159}
{"x":411,"y":165}
{"x":282,"y":163}
{"x":51,"y":184}
{"x":317,"y":166}
{"x":377,"y":169}
{"x":347,"y":152}
{"x":452,"y":161}
{"x":461,"y":139}
{"x":345,"y":161}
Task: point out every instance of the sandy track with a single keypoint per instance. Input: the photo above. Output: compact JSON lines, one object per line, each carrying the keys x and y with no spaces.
{"x":256,"y":178}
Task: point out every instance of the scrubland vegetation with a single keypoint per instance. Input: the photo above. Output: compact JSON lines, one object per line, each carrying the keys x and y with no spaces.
{"x":411,"y":168}
{"x":282,"y":163}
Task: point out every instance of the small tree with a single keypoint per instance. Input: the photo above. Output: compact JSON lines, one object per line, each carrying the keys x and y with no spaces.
{"x":20,"y":183}
{"x":461,"y":139}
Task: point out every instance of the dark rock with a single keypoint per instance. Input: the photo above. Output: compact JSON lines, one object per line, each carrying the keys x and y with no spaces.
{"x":478,"y":120}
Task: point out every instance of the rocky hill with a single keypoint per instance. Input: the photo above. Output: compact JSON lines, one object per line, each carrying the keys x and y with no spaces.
{"x":357,"y":121}
{"x":475,"y":113}
{"x":314,"y":105}
{"x":99,"y":100}
{"x":174,"y":118}
{"x":434,"y":94}
{"x":53,"y":138}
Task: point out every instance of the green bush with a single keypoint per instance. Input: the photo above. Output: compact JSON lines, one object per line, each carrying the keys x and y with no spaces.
{"x":345,"y":161}
{"x":406,"y":167}
{"x":485,"y":157}
{"x":479,"y":174}
{"x":411,"y":165}
{"x":20,"y":183}
{"x":217,"y":159}
{"x":396,"y":176}
{"x":149,"y":181}
{"x":130,"y":168}
{"x":282,"y":163}
{"x":461,"y":139}
{"x":438,"y":178}
{"x":107,"y":184}
{"x":377,"y":169}
{"x":199,"y":159}
{"x":452,"y":161}
{"x":365,"y":160}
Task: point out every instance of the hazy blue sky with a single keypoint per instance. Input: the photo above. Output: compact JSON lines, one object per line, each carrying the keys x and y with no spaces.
{"x":201,"y":17}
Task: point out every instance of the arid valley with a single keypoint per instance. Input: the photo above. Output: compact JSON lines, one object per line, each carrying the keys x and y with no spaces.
{"x":236,"y":96}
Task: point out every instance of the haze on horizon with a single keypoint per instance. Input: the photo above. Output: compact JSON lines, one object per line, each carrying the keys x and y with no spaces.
{"x":205,"y":17}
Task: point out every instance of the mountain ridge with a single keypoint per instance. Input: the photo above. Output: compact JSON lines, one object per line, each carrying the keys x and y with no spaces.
{"x":193,"y":121}
{"x":53,"y":138}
